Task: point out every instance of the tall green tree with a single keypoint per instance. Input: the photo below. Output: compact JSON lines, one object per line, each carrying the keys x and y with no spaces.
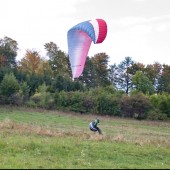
{"x":153,"y":72}
{"x":113,"y":74}
{"x":141,"y":83}
{"x":88,"y":75}
{"x":58,"y":60}
{"x":8,"y":52}
{"x":33,"y":81}
{"x":136,"y":66}
{"x":124,"y":77}
{"x":164,"y":79}
{"x":9,"y":85}
{"x":101,"y":69}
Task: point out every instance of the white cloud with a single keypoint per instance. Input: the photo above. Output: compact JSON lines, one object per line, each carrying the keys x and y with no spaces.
{"x":162,"y":27}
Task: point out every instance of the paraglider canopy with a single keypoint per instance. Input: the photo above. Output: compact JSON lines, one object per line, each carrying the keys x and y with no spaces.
{"x":79,"y":39}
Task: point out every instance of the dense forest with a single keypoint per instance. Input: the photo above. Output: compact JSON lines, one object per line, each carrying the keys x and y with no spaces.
{"x":128,"y":89}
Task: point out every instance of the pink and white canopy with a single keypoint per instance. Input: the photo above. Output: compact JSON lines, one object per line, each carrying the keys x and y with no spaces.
{"x":79,"y":40}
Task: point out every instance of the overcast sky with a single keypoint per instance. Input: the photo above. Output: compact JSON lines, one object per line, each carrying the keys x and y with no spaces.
{"x":136,"y":28}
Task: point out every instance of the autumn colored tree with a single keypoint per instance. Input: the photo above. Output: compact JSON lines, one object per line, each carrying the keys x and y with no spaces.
{"x":3,"y":60}
{"x":34,"y":70}
{"x":44,"y":68}
{"x":30,"y":63}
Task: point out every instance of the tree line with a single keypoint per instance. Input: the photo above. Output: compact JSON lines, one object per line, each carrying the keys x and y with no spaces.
{"x":128,"y":89}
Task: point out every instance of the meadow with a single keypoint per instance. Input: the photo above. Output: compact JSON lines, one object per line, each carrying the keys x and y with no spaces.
{"x":38,"y":139}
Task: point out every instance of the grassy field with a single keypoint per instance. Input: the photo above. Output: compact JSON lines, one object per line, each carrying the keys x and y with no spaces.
{"x":52,"y":139}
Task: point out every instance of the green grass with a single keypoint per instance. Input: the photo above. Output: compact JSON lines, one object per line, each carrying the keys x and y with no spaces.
{"x":51,"y":139}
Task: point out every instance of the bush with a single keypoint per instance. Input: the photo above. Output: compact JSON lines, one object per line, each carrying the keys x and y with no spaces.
{"x":156,"y":115}
{"x":73,"y":101}
{"x":31,"y":103}
{"x":16,"y":99}
{"x":36,"y":98}
{"x":61,"y":99}
{"x":135,"y":106}
{"x":24,"y":91}
{"x":9,"y":85}
{"x":161,"y":102}
{"x":88,"y":103}
{"x":98,"y":100}
{"x":42,"y":98}
{"x":3,"y":100}
{"x":108,"y":105}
